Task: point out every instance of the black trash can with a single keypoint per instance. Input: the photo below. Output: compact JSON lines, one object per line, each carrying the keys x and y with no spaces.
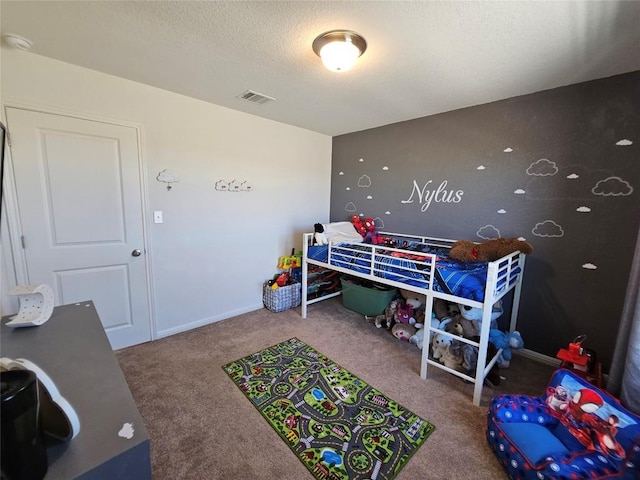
{"x":23,"y":452}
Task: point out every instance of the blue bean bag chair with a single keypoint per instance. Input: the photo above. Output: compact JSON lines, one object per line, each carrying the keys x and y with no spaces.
{"x":573,"y":431}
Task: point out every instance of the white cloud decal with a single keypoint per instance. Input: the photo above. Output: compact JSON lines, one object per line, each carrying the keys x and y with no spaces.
{"x":361,"y":160}
{"x":583,"y":209}
{"x":502,"y":210}
{"x":364,"y":181}
{"x":488,"y":232}
{"x":385,"y":168}
{"x":387,"y":212}
{"x":542,"y":168}
{"x":573,"y":176}
{"x":341,"y":173}
{"x":167,"y":177}
{"x":548,"y":228}
{"x":624,"y":142}
{"x":369,"y":197}
{"x":481,"y":167}
{"x":519,"y":191}
{"x":589,"y":266}
{"x":612,"y":187}
{"x":508,"y":150}
{"x":350,"y":207}
{"x":222,"y":185}
{"x":348,"y":188}
{"x":234,"y":186}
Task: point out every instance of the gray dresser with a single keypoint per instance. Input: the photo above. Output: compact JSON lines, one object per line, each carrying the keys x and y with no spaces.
{"x":73,"y":349}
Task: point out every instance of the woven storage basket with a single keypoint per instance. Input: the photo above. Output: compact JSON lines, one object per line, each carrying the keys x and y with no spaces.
{"x":282,"y":298}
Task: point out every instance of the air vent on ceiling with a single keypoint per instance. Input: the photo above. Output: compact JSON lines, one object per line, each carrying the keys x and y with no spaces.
{"x":255,"y":97}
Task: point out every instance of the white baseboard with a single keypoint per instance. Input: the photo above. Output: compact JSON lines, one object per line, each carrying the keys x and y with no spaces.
{"x":554,"y":362}
{"x":538,"y":357}
{"x":206,"y":321}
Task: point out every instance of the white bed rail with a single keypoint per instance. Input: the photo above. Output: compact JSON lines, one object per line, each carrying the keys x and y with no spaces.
{"x":503,"y":275}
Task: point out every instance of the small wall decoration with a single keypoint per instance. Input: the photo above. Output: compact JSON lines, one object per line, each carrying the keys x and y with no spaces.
{"x":233,"y":186}
{"x":165,"y":176}
{"x":542,"y":168}
{"x":612,"y":187}
{"x":548,"y":228}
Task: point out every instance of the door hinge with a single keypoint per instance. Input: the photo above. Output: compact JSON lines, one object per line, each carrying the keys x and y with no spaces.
{"x":8,"y":138}
{"x":22,"y":241}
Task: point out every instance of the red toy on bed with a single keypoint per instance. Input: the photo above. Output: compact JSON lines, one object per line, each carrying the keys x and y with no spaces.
{"x":367,"y":228}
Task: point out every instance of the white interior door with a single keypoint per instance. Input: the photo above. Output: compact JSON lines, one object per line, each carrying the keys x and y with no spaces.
{"x":79,"y":193}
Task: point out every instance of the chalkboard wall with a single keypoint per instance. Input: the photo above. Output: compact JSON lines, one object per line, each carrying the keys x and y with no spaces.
{"x":559,"y":168}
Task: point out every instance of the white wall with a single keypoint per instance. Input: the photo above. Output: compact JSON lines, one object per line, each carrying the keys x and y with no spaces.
{"x":214,"y":250}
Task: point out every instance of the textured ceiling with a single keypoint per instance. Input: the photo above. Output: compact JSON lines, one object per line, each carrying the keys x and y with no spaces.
{"x":423,"y":57}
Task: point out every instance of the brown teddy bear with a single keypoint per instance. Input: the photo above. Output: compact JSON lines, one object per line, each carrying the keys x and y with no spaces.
{"x":462,"y":327}
{"x":443,"y":309}
{"x":488,"y":251}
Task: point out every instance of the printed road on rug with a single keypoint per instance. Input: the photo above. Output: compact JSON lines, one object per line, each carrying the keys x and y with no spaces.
{"x":339,"y":426}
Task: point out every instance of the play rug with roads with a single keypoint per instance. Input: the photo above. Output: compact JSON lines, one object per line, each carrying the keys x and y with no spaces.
{"x":339,"y":426}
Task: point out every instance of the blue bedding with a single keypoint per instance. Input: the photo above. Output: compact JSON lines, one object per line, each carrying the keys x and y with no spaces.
{"x":460,"y":279}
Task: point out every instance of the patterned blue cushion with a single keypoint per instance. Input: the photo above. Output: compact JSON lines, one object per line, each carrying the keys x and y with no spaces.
{"x":534,"y":441}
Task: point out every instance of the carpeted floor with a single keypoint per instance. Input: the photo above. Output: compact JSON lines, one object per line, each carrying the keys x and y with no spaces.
{"x":202,"y":427}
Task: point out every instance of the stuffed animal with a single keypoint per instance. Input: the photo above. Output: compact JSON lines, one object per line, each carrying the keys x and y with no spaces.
{"x":418,"y":338}
{"x":404,"y":314}
{"x":442,"y":351}
{"x":506,"y":341}
{"x":487,"y":251}
{"x":440,"y":308}
{"x":403,"y":331}
{"x":443,"y":309}
{"x":415,"y":301}
{"x":451,"y":358}
{"x":469,"y":354}
{"x":319,"y":237}
{"x":359,"y":226}
{"x":475,"y":314}
{"x":439,"y":343}
{"x":371,"y":233}
{"x":387,"y":319}
{"x":463,"y":327}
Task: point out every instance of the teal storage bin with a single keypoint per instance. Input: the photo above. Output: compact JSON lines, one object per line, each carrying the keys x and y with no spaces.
{"x":365,"y":300}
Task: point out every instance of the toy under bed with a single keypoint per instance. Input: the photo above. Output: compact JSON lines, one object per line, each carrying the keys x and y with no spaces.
{"x":421,"y":265}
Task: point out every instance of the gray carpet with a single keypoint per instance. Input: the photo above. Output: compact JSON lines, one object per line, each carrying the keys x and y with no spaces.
{"x":202,"y":426}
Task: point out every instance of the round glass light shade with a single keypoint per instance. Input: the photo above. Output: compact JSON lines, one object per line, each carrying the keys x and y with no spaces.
{"x":339,"y":56}
{"x":339,"y":49}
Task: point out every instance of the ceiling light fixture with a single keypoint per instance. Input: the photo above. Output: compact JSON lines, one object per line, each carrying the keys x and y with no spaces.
{"x":16,"y":41}
{"x":339,"y":49}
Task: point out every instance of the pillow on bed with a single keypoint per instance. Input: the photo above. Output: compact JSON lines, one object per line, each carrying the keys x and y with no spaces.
{"x":341,"y":232}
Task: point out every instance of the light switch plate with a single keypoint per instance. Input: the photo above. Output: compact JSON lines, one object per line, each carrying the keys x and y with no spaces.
{"x":157,"y":216}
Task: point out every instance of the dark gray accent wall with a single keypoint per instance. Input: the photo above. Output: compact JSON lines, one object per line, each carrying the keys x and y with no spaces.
{"x":559,"y":168}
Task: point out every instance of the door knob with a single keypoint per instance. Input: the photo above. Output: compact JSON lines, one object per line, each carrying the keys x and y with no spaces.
{"x":136,"y":253}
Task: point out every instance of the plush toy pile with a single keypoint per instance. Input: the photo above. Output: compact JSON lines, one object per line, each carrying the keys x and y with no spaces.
{"x":404,"y":317}
{"x":464,"y":321}
{"x":488,"y":251}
